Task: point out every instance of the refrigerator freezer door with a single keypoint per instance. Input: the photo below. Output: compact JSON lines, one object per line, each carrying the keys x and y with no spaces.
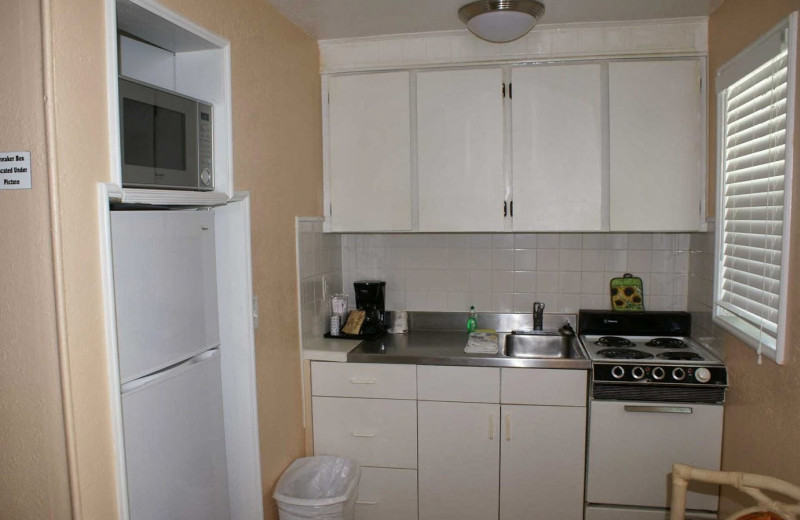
{"x":175,"y":443}
{"x":165,"y":286}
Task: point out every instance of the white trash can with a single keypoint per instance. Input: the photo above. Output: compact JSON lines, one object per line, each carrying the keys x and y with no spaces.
{"x":322,"y":487}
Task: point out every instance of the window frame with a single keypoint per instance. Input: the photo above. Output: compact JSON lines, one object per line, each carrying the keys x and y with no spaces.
{"x":730,"y":73}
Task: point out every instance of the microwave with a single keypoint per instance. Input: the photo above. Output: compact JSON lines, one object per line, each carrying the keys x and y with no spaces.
{"x":165,"y":138}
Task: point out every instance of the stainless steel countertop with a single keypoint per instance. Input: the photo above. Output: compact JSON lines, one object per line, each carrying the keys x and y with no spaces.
{"x":435,"y":347}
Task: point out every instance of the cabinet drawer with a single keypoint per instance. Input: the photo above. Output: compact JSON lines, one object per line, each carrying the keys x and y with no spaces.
{"x":543,"y":386}
{"x":375,"y":432}
{"x":462,"y":384}
{"x":387,"y":494}
{"x":364,"y":380}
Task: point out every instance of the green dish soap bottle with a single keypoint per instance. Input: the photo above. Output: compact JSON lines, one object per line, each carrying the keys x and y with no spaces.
{"x":472,"y":322}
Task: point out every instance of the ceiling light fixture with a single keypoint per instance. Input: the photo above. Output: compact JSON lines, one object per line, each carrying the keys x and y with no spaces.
{"x":501,"y":21}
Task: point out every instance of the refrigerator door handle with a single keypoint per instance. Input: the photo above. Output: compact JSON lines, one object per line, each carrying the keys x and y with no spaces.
{"x":166,"y":373}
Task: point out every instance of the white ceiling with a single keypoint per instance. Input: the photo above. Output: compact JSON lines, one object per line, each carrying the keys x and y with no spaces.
{"x":330,"y":19}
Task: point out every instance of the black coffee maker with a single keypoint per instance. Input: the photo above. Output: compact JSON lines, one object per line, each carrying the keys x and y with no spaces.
{"x":370,"y":295}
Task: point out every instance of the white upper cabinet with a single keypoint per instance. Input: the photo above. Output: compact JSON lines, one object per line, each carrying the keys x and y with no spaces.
{"x":557,"y":138}
{"x":369,"y":139}
{"x":460,"y":150}
{"x":657,"y":136}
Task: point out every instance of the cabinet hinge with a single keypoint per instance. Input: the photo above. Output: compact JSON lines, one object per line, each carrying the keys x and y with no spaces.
{"x":505,"y":208}
{"x":510,"y":92}
{"x":504,"y":90}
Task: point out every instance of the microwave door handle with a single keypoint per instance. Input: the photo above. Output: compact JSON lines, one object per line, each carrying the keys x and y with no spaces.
{"x":658,"y":409}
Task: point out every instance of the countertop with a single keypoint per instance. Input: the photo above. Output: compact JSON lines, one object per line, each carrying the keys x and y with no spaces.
{"x":447,"y":348}
{"x":324,"y":349}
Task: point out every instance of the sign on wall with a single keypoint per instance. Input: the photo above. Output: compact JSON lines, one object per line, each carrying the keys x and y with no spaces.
{"x":15,"y":170}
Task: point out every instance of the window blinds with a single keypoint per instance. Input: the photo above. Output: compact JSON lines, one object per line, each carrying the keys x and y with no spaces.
{"x":753,"y":168}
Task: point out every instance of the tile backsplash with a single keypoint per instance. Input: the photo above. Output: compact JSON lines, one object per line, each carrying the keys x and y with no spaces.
{"x":505,"y":272}
{"x":700,"y":294}
{"x":319,"y":265}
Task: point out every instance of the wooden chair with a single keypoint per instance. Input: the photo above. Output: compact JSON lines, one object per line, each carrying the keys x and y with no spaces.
{"x":754,"y":485}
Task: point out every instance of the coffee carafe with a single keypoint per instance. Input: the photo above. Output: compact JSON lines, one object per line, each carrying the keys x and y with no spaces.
{"x":370,"y":298}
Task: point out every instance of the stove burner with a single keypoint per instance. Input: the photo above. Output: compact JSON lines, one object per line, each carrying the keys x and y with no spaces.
{"x":667,"y":343}
{"x":623,"y":353}
{"x":614,"y":341}
{"x":681,"y":356}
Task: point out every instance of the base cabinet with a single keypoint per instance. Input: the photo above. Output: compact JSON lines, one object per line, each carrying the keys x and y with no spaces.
{"x":387,"y":494}
{"x":478,"y":443}
{"x":459,"y":460}
{"x":542,"y":462}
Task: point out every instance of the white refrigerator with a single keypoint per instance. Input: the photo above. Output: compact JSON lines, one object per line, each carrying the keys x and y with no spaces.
{"x":165,"y":286}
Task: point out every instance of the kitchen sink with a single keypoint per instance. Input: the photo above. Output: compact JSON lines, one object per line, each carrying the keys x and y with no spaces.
{"x":538,"y":344}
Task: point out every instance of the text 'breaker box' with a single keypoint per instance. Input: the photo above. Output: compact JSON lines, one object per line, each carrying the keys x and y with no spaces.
{"x":15,"y":170}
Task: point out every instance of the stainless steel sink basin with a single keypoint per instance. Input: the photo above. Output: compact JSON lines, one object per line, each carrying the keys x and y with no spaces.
{"x":537,"y":344}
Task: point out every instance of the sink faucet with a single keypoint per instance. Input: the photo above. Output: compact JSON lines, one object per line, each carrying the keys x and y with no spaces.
{"x":538,"y":315}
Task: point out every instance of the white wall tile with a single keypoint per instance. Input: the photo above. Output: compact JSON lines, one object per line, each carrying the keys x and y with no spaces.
{"x":436,"y":259}
{"x":502,"y":259}
{"x":453,"y":271}
{"x":502,"y":281}
{"x":480,"y":258}
{"x":525,"y":241}
{"x":547,"y":259}
{"x":525,"y":259}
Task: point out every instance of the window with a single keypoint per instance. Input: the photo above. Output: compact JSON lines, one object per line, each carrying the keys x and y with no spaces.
{"x":755,"y":98}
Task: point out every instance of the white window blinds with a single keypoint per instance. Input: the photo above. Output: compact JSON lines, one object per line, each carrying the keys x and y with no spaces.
{"x":754,"y":186}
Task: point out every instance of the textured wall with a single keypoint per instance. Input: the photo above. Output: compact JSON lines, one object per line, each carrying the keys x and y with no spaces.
{"x":33,"y":478}
{"x":277,"y":157}
{"x":761,"y":417}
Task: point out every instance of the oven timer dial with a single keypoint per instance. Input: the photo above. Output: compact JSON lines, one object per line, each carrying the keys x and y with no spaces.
{"x":703,"y":375}
{"x":637,"y":372}
{"x":678,"y":374}
{"x":617,"y":372}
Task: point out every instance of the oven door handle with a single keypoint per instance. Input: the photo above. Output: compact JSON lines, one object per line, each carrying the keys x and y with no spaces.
{"x":658,"y":409}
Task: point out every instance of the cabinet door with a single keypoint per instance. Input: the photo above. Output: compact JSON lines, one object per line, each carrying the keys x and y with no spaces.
{"x":369,"y":135}
{"x":656,"y":145}
{"x":557,"y":161}
{"x":460,"y":150}
{"x":542,"y":465}
{"x":459,"y":460}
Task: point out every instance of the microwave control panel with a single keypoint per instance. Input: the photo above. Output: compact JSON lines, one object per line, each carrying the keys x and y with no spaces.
{"x":205,"y":144}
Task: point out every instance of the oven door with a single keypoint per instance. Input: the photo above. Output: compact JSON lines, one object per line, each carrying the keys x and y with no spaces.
{"x":633,"y":445}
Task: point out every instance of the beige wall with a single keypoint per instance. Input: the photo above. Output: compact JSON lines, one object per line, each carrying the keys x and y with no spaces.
{"x":762,"y":420}
{"x":277,"y":141}
{"x":277,"y":157}
{"x":33,"y":479}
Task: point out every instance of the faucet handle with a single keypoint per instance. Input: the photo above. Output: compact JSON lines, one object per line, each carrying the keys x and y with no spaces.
{"x":538,"y":307}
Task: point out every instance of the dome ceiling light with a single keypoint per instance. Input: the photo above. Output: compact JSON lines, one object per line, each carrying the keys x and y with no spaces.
{"x":501,"y":21}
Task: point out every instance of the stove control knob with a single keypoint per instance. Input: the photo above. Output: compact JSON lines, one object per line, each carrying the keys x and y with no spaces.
{"x":678,"y":374}
{"x":637,"y":372}
{"x":703,"y":375}
{"x":658,"y":373}
{"x":617,"y":372}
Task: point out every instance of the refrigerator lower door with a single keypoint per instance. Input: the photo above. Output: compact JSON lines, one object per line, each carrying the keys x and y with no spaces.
{"x":175,"y":443}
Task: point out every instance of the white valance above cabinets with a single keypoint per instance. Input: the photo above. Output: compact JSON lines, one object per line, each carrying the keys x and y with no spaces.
{"x":566,"y":146}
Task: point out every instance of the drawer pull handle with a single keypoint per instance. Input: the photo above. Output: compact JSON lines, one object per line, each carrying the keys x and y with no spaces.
{"x":491,"y":426}
{"x":508,"y":427}
{"x":357,"y":434}
{"x":363,"y":381}
{"x":367,"y":502}
{"x":658,"y":409}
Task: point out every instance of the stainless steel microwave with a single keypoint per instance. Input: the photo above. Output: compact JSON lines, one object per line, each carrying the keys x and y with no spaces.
{"x":166,"y":138}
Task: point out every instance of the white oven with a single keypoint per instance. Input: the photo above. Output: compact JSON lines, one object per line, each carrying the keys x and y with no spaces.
{"x":632,"y":447}
{"x":656,"y":400}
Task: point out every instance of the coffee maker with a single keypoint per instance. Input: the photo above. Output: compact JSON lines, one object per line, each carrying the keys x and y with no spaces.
{"x":370,"y":296}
